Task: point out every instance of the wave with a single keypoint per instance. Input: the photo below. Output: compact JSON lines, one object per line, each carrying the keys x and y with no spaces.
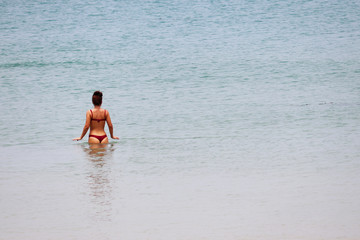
{"x":35,"y":64}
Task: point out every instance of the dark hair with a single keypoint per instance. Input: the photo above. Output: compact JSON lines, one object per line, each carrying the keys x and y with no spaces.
{"x":97,"y":98}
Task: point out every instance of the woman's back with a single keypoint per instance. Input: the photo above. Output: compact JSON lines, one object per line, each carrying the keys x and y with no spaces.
{"x":98,"y":119}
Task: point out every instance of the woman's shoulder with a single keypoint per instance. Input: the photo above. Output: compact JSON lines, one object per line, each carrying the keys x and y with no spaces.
{"x":89,"y":112}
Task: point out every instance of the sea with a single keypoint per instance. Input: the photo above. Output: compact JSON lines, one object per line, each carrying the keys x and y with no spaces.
{"x":237,"y":119}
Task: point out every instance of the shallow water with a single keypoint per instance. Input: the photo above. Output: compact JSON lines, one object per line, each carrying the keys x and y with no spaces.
{"x":129,"y":191}
{"x":237,"y":119}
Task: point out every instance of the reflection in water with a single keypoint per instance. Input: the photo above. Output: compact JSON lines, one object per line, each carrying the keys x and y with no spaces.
{"x":98,"y":178}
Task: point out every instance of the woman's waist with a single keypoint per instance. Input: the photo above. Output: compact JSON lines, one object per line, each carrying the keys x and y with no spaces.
{"x":97,"y":132}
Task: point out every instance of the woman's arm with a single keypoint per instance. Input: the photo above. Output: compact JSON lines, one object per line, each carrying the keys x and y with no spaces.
{"x":86,"y":127}
{"x":109,"y":123}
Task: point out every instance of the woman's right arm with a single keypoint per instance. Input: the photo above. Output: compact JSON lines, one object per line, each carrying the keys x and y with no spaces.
{"x":111,"y":128}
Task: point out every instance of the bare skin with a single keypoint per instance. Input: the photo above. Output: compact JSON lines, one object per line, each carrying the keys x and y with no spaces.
{"x":97,"y":128}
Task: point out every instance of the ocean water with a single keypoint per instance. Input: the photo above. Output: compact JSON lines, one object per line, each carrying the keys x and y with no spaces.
{"x":238,"y":119}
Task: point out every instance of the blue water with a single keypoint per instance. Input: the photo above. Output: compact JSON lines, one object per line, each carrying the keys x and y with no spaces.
{"x":237,"y":119}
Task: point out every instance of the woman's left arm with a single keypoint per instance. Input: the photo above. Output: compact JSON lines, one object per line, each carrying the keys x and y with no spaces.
{"x":86,"y":127}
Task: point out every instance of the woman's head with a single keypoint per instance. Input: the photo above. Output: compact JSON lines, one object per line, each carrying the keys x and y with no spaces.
{"x":97,"y":98}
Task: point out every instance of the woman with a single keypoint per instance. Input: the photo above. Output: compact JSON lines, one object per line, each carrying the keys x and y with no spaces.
{"x":95,"y":119}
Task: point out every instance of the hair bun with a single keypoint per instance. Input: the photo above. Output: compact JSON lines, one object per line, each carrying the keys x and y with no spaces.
{"x":98,"y":93}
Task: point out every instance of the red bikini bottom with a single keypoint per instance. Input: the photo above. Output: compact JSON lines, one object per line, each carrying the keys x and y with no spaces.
{"x":100,"y":138}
